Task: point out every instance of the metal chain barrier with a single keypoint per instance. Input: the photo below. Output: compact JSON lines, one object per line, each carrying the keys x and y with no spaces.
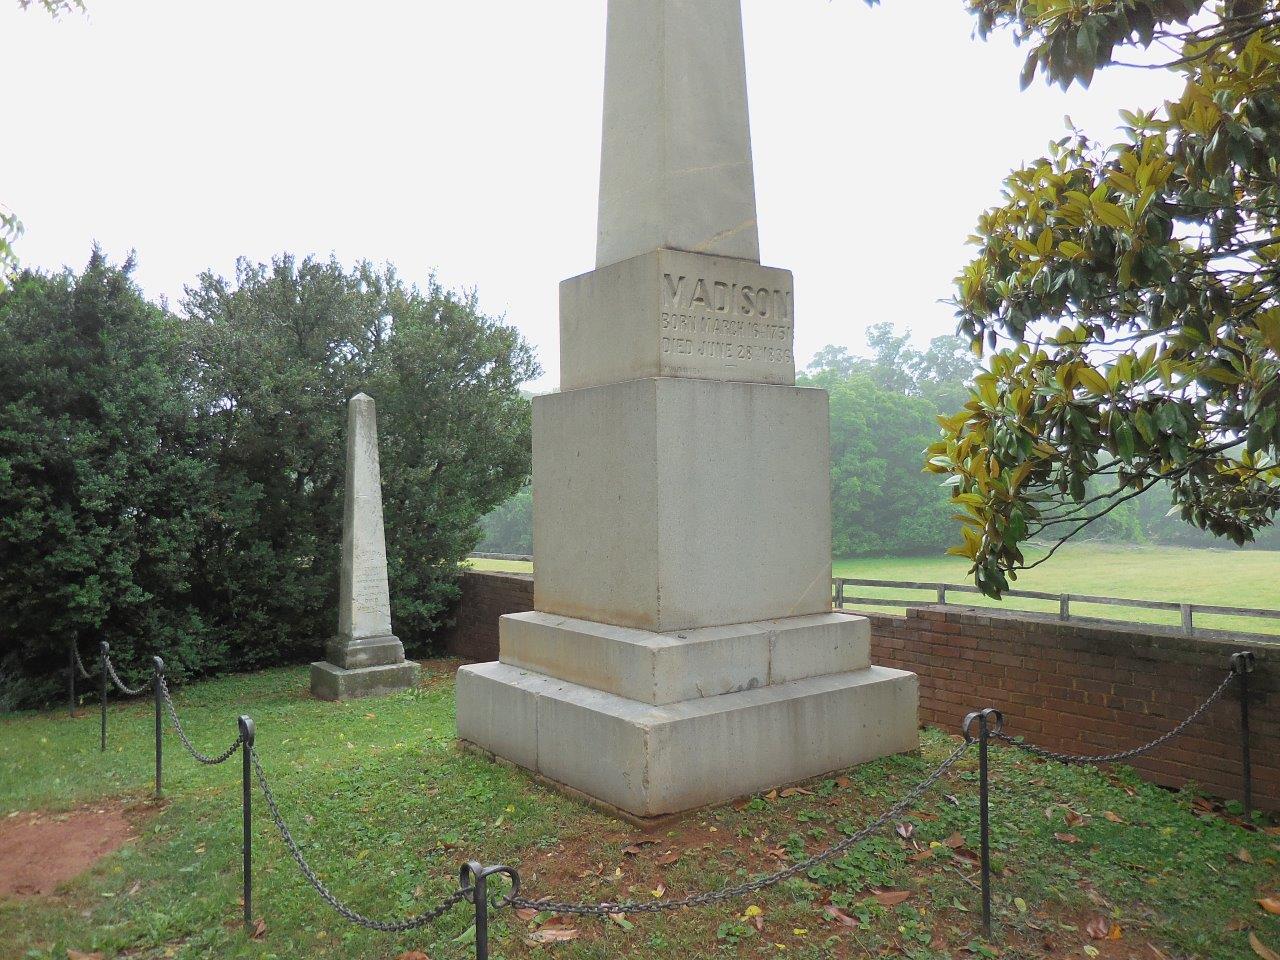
{"x":182,"y":734}
{"x":115,"y":678}
{"x":1124,"y":754}
{"x":769,"y":880}
{"x":395,"y":926}
{"x":84,"y":674}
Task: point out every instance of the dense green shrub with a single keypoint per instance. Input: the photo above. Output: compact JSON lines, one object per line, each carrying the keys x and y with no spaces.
{"x":174,"y":481}
{"x":102,"y":476}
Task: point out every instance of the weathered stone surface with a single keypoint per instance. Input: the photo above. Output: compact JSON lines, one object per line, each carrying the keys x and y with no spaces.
{"x":364,"y":652}
{"x":365,"y":658}
{"x":364,"y":603}
{"x":673,"y":314}
{"x":673,"y":504}
{"x":681,"y":482}
{"x":653,"y":760}
{"x":661,"y":668}
{"x":676,"y":168}
{"x":330,"y":682}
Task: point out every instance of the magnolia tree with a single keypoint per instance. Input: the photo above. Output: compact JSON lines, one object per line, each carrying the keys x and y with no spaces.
{"x":1126,"y":297}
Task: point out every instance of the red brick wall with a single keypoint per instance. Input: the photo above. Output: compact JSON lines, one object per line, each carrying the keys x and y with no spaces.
{"x":1072,"y":687}
{"x":1082,"y":688}
{"x":485,"y":598}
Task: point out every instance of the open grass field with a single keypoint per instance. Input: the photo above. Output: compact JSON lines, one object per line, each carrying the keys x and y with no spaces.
{"x":1237,"y":578}
{"x":1092,"y":863}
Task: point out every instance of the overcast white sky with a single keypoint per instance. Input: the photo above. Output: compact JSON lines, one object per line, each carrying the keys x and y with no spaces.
{"x":462,"y":136}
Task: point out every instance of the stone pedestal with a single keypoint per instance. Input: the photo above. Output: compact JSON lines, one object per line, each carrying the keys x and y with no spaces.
{"x":682,"y":650}
{"x":364,"y":659}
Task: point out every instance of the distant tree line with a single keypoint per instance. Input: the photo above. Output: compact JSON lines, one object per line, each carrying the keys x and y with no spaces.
{"x":884,"y":414}
{"x":171,"y":480}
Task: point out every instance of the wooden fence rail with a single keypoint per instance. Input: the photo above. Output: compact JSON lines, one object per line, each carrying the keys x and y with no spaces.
{"x":1187,"y":611}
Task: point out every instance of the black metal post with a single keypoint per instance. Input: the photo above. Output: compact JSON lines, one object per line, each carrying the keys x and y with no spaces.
{"x":104,"y":651}
{"x":71,"y":675}
{"x":246,"y":736}
{"x":1242,"y":664}
{"x":158,"y":664}
{"x":986,"y":827}
{"x":480,"y":897}
{"x":985,"y":731}
{"x":474,"y":881}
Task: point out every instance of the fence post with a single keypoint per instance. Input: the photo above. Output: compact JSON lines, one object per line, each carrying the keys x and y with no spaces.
{"x":942,"y":594}
{"x":246,"y":751}
{"x":1242,"y":665}
{"x":479,"y":896}
{"x":1064,"y":607}
{"x":984,"y":799}
{"x":158,"y":664}
{"x":104,"y":651}
{"x":840,"y":593}
{"x":71,"y":674}
{"x":473,"y":880}
{"x":1187,"y":627}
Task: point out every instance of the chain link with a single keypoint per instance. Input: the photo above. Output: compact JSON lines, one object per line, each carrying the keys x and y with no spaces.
{"x":395,"y":926}
{"x":182,"y":734}
{"x":84,"y":674}
{"x":1124,"y":754}
{"x":769,"y":880}
{"x":115,"y":678}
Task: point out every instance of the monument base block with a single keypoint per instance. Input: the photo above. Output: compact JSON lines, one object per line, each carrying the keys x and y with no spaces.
{"x":651,"y":760}
{"x":330,"y":682}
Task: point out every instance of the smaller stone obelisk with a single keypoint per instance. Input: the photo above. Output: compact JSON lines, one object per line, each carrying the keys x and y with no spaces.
{"x":365,"y":659}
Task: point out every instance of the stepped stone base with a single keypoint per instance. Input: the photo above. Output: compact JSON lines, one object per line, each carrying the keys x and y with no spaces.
{"x":650,"y":759}
{"x":661,"y":668}
{"x":330,"y":682}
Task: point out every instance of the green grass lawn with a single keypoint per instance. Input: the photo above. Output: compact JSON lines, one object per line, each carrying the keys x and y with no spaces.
{"x":1236,"y":578}
{"x":386,"y":807}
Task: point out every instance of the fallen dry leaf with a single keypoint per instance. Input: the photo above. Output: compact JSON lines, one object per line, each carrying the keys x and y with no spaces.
{"x":668,"y":858}
{"x":891,"y":898}
{"x":413,"y":955}
{"x":526,"y":914}
{"x":1073,"y":819}
{"x":922,"y":855}
{"x":1113,"y":817}
{"x":1099,"y":928}
{"x":955,"y":841}
{"x":259,"y":929}
{"x":771,"y":795}
{"x":1271,"y":905}
{"x":639,"y":845}
{"x":905,"y":830}
{"x":1066,"y":837}
{"x":843,"y":783}
{"x":77,"y":955}
{"x":1244,"y":856}
{"x":840,"y":917}
{"x":796,"y":792}
{"x":1261,"y":949}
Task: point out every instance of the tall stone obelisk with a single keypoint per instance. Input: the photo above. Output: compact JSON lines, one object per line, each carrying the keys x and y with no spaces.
{"x":683,"y":649}
{"x":365,"y":659}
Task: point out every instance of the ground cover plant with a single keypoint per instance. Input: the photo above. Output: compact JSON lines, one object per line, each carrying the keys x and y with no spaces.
{"x":1238,"y":578}
{"x":1091,"y":862}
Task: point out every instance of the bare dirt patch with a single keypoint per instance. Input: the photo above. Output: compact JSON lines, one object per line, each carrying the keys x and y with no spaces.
{"x":39,"y":851}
